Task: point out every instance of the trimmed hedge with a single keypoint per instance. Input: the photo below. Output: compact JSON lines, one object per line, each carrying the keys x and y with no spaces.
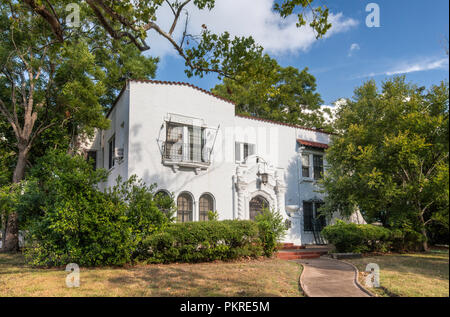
{"x":203,"y":242}
{"x":351,"y":237}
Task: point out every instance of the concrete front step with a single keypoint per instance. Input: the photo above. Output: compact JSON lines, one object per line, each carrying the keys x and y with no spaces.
{"x":291,"y":246}
{"x":297,"y":256}
{"x":292,"y":255}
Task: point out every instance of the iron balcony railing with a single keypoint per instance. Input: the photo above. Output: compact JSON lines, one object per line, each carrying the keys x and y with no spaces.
{"x":185,"y":153}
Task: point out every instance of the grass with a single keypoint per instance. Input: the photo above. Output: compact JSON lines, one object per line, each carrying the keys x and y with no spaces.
{"x":409,"y":275}
{"x":253,"y":278}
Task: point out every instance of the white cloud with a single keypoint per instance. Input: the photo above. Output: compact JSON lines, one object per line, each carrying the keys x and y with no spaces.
{"x":421,"y":65}
{"x":354,"y":47}
{"x":246,"y":18}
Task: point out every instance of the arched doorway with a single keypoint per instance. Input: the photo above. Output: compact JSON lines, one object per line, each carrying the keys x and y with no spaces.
{"x":256,"y":206}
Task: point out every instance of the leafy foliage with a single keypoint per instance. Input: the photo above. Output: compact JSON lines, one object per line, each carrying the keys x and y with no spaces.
{"x":203,"y":241}
{"x":129,"y":22}
{"x":269,"y":91}
{"x":146,"y":213}
{"x":351,"y":237}
{"x":70,"y":220}
{"x":391,"y":156}
{"x":271,"y":230}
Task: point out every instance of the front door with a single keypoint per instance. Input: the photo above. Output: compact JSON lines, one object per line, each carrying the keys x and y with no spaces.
{"x":257,"y":204}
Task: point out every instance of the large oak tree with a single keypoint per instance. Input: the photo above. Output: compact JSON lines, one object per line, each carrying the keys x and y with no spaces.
{"x":48,"y":86}
{"x":391,"y":157}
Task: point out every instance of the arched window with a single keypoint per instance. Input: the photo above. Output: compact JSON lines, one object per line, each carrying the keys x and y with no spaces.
{"x":185,"y":207}
{"x":206,"y":204}
{"x":256,"y":206}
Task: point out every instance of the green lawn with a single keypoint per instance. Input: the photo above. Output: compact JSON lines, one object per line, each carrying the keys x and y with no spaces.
{"x":410,"y":275}
{"x":253,"y":278}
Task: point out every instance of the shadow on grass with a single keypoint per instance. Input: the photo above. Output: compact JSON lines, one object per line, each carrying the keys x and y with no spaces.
{"x":183,"y":281}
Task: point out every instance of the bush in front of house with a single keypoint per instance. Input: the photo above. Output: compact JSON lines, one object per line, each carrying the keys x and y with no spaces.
{"x":406,"y":239}
{"x":271,"y":229}
{"x":351,"y":237}
{"x":205,"y":241}
{"x":68,"y":220}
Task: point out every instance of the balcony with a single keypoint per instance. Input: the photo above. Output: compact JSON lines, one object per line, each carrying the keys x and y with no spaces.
{"x":186,"y":155}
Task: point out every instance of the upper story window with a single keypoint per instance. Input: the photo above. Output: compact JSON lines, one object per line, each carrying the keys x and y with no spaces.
{"x":305,"y":165}
{"x":111,"y":150}
{"x":185,"y":143}
{"x":317,"y":170}
{"x":243,"y":150}
{"x":318,"y":166}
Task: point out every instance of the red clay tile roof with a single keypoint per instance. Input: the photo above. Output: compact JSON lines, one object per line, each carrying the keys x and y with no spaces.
{"x":211,"y":94}
{"x":281,"y":123}
{"x":313,"y":144}
{"x":181,"y":84}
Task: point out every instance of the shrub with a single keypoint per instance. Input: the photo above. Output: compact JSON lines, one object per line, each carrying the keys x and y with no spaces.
{"x":69,"y":220}
{"x":271,"y":229}
{"x":351,"y":237}
{"x":203,"y":241}
{"x":406,"y":239}
{"x":143,"y":208}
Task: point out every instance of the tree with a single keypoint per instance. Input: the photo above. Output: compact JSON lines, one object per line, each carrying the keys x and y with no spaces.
{"x":269,"y":91}
{"x":391,"y":156}
{"x":47,"y":86}
{"x":129,"y":21}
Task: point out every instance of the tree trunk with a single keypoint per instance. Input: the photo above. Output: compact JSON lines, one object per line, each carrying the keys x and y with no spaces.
{"x":11,"y":243}
{"x":3,"y":230}
{"x":424,"y":233}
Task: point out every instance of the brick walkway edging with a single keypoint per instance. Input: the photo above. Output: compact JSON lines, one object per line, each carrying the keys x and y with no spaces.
{"x":355,"y":280}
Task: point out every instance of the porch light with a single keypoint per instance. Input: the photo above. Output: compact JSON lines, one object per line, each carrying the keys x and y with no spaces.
{"x":264,"y":178}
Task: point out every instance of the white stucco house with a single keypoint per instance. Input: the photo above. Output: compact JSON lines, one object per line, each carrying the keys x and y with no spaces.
{"x":193,"y":145}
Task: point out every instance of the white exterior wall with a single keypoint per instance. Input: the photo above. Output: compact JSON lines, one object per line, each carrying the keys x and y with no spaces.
{"x":149,"y":105}
{"x":138,"y":122}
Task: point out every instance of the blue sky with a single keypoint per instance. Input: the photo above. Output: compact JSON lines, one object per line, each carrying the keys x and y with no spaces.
{"x":410,"y":41}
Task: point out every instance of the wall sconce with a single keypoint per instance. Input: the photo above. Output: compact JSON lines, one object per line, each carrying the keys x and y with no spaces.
{"x":264,"y":177}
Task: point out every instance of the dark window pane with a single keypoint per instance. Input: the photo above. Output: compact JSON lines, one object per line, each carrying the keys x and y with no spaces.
{"x":320,"y":219}
{"x":318,"y":166}
{"x":245,"y":151}
{"x":308,"y":216}
{"x":112,"y":146}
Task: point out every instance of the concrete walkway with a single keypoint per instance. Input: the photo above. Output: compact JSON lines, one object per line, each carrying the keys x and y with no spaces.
{"x":325,"y":277}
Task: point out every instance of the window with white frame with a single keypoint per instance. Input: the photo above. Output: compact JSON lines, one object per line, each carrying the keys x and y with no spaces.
{"x":243,"y":150}
{"x":185,"y":143}
{"x":305,"y":166}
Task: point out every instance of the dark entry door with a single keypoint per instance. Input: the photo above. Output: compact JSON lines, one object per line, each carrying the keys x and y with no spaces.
{"x":256,"y":206}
